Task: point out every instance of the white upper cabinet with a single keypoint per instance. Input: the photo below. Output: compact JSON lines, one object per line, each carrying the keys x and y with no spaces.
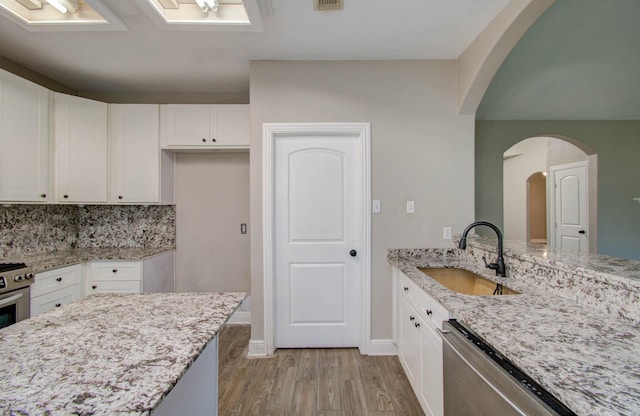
{"x":138,"y":168}
{"x":200,"y":126}
{"x":81,"y":148}
{"x":24,"y":140}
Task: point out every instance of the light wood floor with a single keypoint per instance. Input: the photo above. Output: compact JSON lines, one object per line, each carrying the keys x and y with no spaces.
{"x":309,"y":382}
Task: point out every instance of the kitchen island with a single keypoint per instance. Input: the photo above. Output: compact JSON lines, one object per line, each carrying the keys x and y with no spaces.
{"x":573,"y":329}
{"x":110,"y":354}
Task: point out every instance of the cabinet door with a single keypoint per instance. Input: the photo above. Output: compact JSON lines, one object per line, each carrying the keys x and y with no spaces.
{"x":431,"y":392}
{"x":187,"y":125}
{"x":409,"y":342}
{"x":81,"y":149}
{"x":24,"y":140}
{"x":230,"y":125}
{"x":135,"y":153}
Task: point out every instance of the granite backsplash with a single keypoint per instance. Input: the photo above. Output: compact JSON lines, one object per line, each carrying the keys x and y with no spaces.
{"x":26,"y":229}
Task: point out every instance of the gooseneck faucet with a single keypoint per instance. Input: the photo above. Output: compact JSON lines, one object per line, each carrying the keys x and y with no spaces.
{"x":498,"y":266}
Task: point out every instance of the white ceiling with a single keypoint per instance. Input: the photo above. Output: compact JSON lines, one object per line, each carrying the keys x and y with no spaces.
{"x":149,"y":57}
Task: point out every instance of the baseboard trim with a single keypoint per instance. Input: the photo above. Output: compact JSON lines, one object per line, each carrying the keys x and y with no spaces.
{"x":240,"y":318}
{"x":382,"y":347}
{"x":257,"y":348}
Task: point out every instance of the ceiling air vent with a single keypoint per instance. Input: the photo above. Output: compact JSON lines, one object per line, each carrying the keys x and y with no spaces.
{"x":328,"y":4}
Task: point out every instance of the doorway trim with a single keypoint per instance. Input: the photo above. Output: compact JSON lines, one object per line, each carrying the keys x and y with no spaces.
{"x":270,"y":132}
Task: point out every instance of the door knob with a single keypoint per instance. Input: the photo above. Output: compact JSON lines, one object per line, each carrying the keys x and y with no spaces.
{"x":582,"y":232}
{"x":353,"y":253}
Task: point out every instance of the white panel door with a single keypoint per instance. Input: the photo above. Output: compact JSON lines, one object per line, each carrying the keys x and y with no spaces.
{"x":570,"y":207}
{"x":318,"y":205}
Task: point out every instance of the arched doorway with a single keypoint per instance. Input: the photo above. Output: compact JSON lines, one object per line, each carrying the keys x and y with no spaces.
{"x":526,"y":167}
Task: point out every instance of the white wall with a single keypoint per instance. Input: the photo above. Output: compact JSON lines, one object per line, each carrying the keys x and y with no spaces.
{"x":212,"y":200}
{"x":421,"y":150}
{"x":521,"y":161}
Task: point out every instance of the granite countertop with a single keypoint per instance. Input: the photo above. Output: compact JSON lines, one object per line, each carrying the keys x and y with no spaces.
{"x":41,"y":262}
{"x":107,"y":354}
{"x":585,"y":357}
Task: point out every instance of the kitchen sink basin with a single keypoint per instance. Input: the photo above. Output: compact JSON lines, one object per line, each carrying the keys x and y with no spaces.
{"x":466,"y":282}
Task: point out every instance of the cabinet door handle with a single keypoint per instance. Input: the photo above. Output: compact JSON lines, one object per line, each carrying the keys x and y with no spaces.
{"x":417,"y":324}
{"x":58,"y":305}
{"x":65,"y":196}
{"x":94,"y":287}
{"x":204,"y":140}
{"x":429,"y":312}
{"x":411,"y":318}
{"x":43,"y":195}
{"x":58,"y":279}
{"x":115,"y":270}
{"x":213,"y":140}
{"x":406,"y":289}
{"x":120,"y":197}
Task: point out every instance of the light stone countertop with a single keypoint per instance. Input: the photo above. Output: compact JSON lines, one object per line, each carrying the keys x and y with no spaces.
{"x":41,"y":262}
{"x":107,"y":354}
{"x":584,"y":356}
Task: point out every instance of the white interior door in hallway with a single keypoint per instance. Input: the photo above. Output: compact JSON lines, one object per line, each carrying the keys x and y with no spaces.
{"x":569,"y":210}
{"x":319,"y":223}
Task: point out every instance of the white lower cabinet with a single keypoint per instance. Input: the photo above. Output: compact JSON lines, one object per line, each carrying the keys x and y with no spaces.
{"x":114,"y":277}
{"x":419,"y":345}
{"x":54,"y":288}
{"x":155,"y":274}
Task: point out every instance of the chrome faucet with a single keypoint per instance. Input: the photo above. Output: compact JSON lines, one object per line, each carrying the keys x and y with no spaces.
{"x":498,"y":266}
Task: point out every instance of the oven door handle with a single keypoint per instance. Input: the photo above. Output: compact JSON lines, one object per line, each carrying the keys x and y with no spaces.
{"x":10,"y":299}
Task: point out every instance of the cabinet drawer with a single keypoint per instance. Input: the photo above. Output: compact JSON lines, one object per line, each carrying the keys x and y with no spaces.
{"x":57,"y":279}
{"x":408,"y":289}
{"x":131,"y":286}
{"x":49,"y":301}
{"x":115,"y":270}
{"x":431,"y":311}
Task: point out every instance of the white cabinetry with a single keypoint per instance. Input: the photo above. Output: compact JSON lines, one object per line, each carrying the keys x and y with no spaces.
{"x":81,"y":143}
{"x":140,"y":172}
{"x":419,"y":346}
{"x":24,"y":140}
{"x":199,"y":126}
{"x":54,"y":288}
{"x":155,"y":274}
{"x":114,"y":277}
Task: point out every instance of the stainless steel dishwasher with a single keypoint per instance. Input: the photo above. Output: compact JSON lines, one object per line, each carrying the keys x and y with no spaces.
{"x":479,"y":381}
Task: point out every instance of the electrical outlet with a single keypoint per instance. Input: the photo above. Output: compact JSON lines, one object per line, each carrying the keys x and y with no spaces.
{"x":375,"y":206}
{"x":243,"y":228}
{"x":446,"y":233}
{"x":411,"y":207}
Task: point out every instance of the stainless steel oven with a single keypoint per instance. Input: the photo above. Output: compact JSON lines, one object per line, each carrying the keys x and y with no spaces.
{"x":479,"y":381}
{"x":15,"y":304}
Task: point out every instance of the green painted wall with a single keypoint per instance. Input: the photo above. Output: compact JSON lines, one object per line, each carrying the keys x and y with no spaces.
{"x":617,"y":144}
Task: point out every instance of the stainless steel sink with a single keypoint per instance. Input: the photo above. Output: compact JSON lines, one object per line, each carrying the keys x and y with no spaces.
{"x":466,"y":282}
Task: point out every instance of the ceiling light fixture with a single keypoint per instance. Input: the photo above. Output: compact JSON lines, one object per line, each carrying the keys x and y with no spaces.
{"x":65,"y":6}
{"x":208,"y":5}
{"x":31,"y":4}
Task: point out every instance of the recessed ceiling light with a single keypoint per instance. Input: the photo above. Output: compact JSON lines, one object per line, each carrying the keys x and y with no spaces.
{"x":56,"y":15}
{"x":239,"y":15}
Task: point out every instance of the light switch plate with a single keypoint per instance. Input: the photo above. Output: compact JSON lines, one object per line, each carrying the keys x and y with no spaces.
{"x":411,"y":207}
{"x":375,"y":206}
{"x":446,"y":233}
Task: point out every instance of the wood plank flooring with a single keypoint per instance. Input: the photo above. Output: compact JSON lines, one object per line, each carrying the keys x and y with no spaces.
{"x":309,"y":382}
